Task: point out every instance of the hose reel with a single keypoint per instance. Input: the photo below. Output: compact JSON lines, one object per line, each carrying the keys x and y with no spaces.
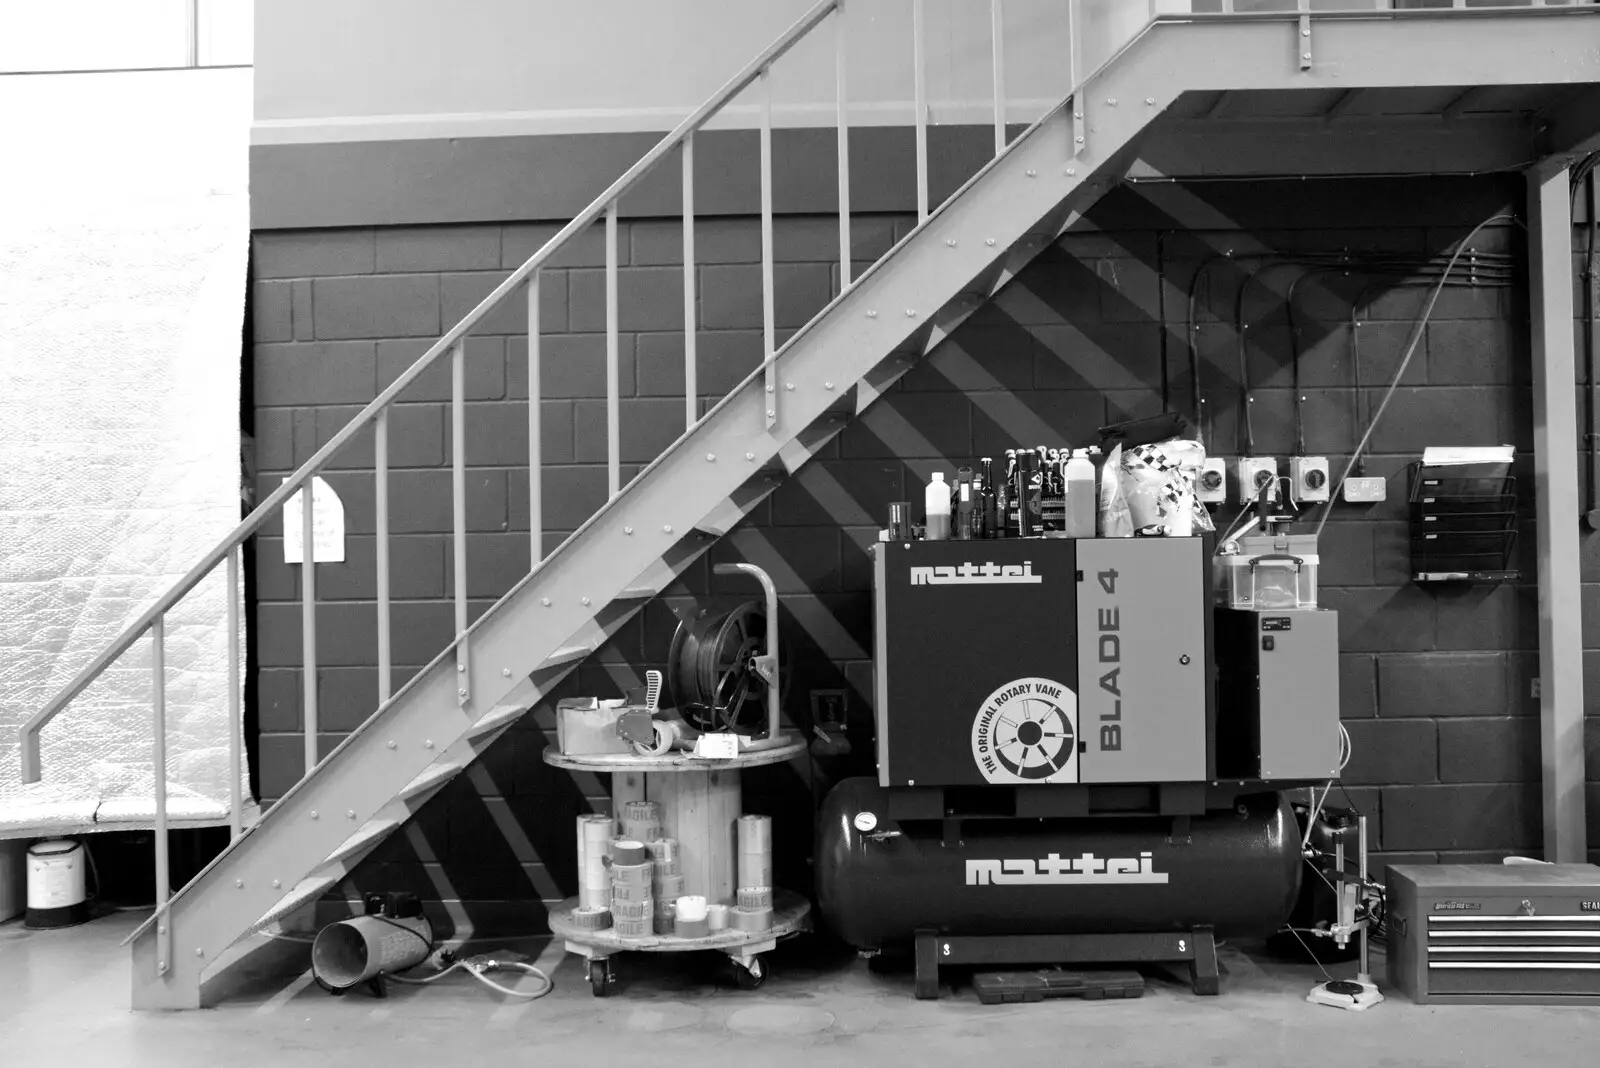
{"x":718,"y":673}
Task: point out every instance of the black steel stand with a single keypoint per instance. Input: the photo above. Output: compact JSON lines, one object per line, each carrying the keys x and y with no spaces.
{"x":1198,"y":947}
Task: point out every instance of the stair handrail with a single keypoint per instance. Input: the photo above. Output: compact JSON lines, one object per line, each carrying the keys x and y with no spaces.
{"x":28,"y":733}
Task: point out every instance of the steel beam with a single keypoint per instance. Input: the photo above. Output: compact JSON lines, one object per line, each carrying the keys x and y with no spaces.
{"x":1556,"y":497}
{"x":1243,"y":147}
{"x":1573,"y":128}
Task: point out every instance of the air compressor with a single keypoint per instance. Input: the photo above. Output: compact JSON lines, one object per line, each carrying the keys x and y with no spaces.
{"x":1063,"y":773}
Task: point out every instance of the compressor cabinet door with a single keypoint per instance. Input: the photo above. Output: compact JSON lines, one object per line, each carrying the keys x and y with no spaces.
{"x":974,"y":656}
{"x":1143,"y":660}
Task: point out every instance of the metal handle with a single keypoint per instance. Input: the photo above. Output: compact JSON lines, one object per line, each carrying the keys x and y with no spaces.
{"x":1276,"y":557}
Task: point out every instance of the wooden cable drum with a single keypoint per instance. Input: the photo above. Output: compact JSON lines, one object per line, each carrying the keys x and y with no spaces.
{"x":711,"y":673}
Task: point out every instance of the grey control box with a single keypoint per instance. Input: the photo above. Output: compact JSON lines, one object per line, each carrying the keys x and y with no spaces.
{"x":1278,"y":683}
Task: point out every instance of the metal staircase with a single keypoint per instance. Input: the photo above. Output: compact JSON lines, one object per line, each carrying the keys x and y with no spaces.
{"x":959,"y":256}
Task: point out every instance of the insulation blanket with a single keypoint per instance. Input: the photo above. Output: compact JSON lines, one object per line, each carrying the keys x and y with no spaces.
{"x":122,"y":276}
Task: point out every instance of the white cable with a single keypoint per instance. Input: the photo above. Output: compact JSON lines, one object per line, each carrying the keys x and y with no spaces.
{"x":477,"y":971}
{"x":1405,"y":361}
{"x":1316,"y":810}
{"x":1346,"y":747}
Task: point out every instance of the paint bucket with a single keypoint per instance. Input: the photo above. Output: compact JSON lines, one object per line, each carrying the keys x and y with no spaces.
{"x":56,"y":895}
{"x":351,"y":952}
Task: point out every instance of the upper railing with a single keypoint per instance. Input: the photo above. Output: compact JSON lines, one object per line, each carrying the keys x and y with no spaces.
{"x":1098,"y":30}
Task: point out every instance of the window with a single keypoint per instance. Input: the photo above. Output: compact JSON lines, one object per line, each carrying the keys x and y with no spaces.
{"x":80,"y":35}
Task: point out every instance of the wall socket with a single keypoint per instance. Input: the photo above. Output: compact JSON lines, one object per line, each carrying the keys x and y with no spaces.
{"x":1308,"y":479}
{"x":1211,"y":486}
{"x":1365,"y":490}
{"x":1253,"y":472}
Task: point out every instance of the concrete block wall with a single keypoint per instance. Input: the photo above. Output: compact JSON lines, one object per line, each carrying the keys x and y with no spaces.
{"x":1436,"y":683}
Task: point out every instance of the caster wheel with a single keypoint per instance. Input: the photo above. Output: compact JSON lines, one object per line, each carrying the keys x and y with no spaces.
{"x":602,"y":979}
{"x":751,"y":976}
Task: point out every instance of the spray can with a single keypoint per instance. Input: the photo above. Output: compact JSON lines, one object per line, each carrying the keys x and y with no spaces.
{"x":963,"y":504}
{"x":988,"y":499}
{"x":1006,"y":499}
{"x":937,"y":500}
{"x":1028,"y":504}
{"x":1080,"y":495}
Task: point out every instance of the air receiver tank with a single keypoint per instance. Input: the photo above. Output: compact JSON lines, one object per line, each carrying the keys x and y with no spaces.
{"x":1238,"y":871}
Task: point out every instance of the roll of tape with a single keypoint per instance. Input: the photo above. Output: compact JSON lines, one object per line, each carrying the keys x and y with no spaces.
{"x":590,"y":897}
{"x":633,"y":910}
{"x":751,"y":920}
{"x":755,"y":897}
{"x":632,"y":874}
{"x":633,"y":928}
{"x":755,"y":834}
{"x":592,"y":918}
{"x":755,"y":869}
{"x":669,"y":886}
{"x":717,"y":917}
{"x":664,"y":851}
{"x":625,"y":892}
{"x":666,"y":736}
{"x":664,"y":923}
{"x":690,"y":907}
{"x":627,"y":851}
{"x":691,"y":928}
{"x":641,"y":812}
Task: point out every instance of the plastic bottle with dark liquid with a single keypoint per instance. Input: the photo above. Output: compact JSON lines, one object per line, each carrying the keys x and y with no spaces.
{"x":987,"y":498}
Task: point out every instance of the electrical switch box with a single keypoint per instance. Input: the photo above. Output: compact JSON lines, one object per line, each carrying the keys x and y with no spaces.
{"x":1365,"y":490}
{"x":1308,"y":479}
{"x":1253,"y":472}
{"x":1211,"y":487}
{"x":1278,"y":693}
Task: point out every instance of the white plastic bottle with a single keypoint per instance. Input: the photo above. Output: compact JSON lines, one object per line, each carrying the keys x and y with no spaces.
{"x":1081,"y":502}
{"x":937,"y":499}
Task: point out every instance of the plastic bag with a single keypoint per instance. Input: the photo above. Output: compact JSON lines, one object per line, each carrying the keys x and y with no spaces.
{"x":1157,"y":483}
{"x":1115,"y":520}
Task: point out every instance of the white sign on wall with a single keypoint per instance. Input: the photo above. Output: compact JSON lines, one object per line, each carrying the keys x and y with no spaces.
{"x":327,"y":525}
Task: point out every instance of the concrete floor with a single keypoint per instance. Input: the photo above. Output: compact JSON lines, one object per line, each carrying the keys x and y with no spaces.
{"x":64,"y":1000}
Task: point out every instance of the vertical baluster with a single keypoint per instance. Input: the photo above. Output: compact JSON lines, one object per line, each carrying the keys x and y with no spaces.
{"x":458,"y":500}
{"x":191,"y":19}
{"x":768,"y":315}
{"x":535,"y":441}
{"x":613,"y":415}
{"x":920,"y":97}
{"x":235,"y":704}
{"x":380,"y":434}
{"x":308,"y":623}
{"x":841,"y":103}
{"x":1075,"y":59}
{"x":158,"y":753}
{"x":691,"y":364}
{"x":997,"y":41}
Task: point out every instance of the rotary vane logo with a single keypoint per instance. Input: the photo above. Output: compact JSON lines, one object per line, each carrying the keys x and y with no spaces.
{"x":1026,"y":731}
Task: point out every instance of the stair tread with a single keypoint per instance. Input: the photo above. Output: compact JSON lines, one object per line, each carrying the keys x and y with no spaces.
{"x":307,"y":889}
{"x":497,"y":717}
{"x":370,"y":831}
{"x":435,"y":775}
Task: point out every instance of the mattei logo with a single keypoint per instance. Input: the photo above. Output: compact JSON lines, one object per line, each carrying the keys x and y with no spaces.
{"x":987,"y":573}
{"x":1056,"y":870}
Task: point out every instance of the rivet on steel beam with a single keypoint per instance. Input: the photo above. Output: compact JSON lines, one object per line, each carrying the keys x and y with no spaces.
{"x":161,"y":963}
{"x":199,"y":952}
{"x":277,"y":884}
{"x":1032,"y":173}
{"x":461,"y":692}
{"x":1305,"y":32}
{"x":667,"y":529}
{"x":545,"y":601}
{"x":872,"y":313}
{"x":1077,"y":114}
{"x":911,"y":313}
{"x":1150,"y":100}
{"x":313,"y":813}
{"x":1305,"y":55}
{"x":789,"y":386}
{"x":427,"y":743}
{"x":1078,"y":139}
{"x":586,"y":602}
{"x":625,"y":530}
{"x":391,"y":743}
{"x":711,"y":457}
{"x":505,"y":673}
{"x":1071,"y":171}
{"x":950,"y":242}
{"x":239,"y":883}
{"x":461,"y":667}
{"x":750,"y":456}
{"x":1111,"y":100}
{"x":989,"y":241}
{"x":350,"y":813}
{"x":163,"y":928}
{"x":769,"y":389}
{"x":827,"y":385}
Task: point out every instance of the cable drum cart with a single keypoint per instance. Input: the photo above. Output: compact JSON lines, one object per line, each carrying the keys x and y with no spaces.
{"x":725,"y":681}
